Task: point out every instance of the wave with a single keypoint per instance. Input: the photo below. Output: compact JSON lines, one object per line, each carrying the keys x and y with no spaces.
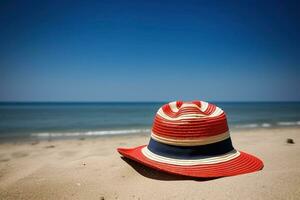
{"x":268,"y":125}
{"x":247,"y":126}
{"x":90,"y":133}
{"x":289,"y":123}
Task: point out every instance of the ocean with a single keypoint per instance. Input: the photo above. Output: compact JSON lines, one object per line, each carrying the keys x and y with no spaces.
{"x":66,"y":120}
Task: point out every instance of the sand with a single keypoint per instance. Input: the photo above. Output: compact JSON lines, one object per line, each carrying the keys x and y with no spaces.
{"x":92,"y":169}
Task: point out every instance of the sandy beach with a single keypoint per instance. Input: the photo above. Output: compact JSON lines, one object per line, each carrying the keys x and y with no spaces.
{"x":92,"y":169}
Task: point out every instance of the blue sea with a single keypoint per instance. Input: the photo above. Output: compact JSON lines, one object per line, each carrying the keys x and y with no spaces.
{"x":67,"y":120}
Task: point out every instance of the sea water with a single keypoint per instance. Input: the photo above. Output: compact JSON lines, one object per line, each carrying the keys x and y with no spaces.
{"x":60,"y":120}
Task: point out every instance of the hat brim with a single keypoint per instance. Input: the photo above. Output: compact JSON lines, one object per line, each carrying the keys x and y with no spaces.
{"x":244,"y":163}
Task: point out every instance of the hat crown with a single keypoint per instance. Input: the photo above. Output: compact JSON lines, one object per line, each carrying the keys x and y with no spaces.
{"x":189,"y":121}
{"x":192,"y":139}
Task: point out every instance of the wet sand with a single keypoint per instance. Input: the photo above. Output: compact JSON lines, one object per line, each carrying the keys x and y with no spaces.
{"x":92,"y":169}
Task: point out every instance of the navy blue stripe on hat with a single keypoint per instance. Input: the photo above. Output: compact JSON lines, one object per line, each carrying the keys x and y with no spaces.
{"x":190,"y":152}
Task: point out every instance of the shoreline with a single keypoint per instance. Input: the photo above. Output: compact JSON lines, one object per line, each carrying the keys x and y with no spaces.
{"x":93,"y":169}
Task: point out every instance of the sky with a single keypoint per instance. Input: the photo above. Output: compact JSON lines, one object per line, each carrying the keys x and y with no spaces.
{"x":149,"y":50}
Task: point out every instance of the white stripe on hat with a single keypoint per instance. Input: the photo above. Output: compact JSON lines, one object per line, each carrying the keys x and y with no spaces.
{"x":203,"y":106}
{"x":217,"y":112}
{"x":173,"y":106}
{"x":173,"y":161}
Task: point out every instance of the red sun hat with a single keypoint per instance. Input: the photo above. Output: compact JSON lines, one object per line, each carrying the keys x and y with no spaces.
{"x":192,"y":139}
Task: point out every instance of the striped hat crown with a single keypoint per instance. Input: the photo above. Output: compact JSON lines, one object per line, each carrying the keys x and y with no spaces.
{"x":189,"y":124}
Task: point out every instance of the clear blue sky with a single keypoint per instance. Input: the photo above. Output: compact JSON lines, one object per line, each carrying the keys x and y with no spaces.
{"x":149,"y":51}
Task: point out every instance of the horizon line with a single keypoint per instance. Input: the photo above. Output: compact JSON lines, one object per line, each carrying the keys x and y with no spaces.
{"x":224,"y":101}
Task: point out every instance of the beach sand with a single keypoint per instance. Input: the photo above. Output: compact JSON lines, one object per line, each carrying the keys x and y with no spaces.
{"x":93,"y":169}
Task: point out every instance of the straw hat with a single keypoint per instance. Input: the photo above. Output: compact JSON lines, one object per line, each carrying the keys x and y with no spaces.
{"x":192,"y":139}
